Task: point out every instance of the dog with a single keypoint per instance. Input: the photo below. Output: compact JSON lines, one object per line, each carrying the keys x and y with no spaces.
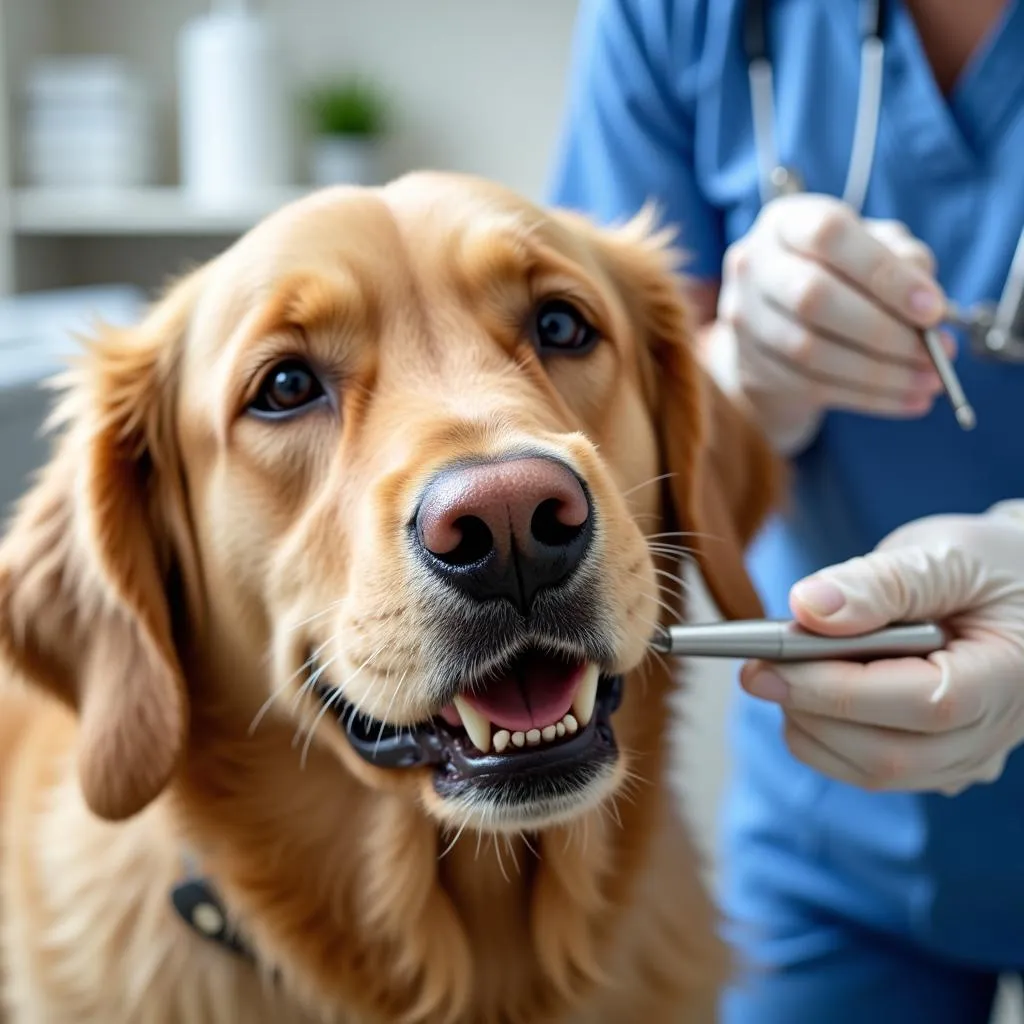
{"x":333,"y":606}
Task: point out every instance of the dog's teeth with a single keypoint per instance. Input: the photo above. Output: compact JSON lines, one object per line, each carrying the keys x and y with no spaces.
{"x":549,"y":732}
{"x":519,"y":739}
{"x":571,"y":725}
{"x":533,"y":737}
{"x":559,"y":729}
{"x":501,"y":740}
{"x":586,"y":694}
{"x":477,"y":727}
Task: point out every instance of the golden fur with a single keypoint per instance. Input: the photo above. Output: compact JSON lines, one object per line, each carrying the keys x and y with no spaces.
{"x":162,"y":579}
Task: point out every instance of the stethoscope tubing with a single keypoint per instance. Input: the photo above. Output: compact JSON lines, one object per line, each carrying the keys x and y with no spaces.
{"x":774,"y":177}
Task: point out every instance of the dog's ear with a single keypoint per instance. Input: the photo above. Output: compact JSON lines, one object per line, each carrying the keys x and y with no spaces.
{"x":722,"y":477}
{"x":84,"y":612}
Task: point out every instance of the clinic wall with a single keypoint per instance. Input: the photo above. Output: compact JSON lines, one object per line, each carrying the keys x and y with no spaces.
{"x":477,"y":84}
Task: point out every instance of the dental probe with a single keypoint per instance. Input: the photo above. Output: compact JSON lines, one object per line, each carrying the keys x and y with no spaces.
{"x":950,"y":381}
{"x":787,"y":641}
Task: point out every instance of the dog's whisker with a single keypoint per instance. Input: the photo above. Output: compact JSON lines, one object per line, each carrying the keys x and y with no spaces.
{"x":647,"y":483}
{"x":528,"y":845}
{"x":308,"y":664}
{"x":323,"y":710}
{"x":316,"y":615}
{"x":675,"y":550}
{"x":610,"y":810}
{"x":492,"y":812}
{"x":512,"y":853}
{"x":656,"y":598}
{"x":305,"y":689}
{"x":391,"y":703}
{"x":448,"y":849}
{"x":313,"y":678}
{"x":279,"y":690}
{"x":685,"y":585}
{"x":685,"y":533}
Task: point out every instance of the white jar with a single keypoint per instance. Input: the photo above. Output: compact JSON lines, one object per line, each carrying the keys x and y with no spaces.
{"x":233,"y":123}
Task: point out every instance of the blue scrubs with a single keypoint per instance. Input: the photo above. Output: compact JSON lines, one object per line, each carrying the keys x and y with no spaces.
{"x":847,"y":905}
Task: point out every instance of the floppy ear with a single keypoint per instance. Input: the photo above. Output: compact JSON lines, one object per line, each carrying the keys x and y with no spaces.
{"x":722,"y":476}
{"x":83,"y":606}
{"x":734,"y":483}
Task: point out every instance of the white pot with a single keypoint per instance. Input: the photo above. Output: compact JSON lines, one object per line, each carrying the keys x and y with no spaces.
{"x":341,"y":160}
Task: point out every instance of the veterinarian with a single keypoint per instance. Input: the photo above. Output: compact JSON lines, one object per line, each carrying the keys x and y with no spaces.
{"x":839,"y":170}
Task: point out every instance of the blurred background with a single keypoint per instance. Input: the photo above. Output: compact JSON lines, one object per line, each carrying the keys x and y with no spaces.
{"x":140,"y":136}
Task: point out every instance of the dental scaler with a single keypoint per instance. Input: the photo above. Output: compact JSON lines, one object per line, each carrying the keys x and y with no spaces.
{"x":787,"y":641}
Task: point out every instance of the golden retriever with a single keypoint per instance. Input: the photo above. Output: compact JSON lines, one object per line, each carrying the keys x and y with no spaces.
{"x":343,"y":575}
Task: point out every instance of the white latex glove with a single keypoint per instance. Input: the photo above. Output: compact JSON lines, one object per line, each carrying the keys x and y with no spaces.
{"x":814,"y":314}
{"x":939,"y":723}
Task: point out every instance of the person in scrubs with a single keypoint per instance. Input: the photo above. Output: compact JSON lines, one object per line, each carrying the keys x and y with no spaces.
{"x":872,"y":859}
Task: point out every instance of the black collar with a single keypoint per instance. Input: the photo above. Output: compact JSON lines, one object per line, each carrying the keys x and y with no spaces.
{"x":199,"y":906}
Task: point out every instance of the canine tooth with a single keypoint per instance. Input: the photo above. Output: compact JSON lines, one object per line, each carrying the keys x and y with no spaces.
{"x":533,"y":737}
{"x":501,"y":740}
{"x":519,"y":739}
{"x":548,"y":732}
{"x":570,"y":723}
{"x":559,"y":729}
{"x":478,"y":728}
{"x":586,"y":694}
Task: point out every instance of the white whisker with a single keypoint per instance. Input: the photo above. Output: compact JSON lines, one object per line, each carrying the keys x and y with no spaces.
{"x":391,"y":704}
{"x":647,"y":483}
{"x":316,"y":615}
{"x":451,"y":845}
{"x":323,"y":710}
{"x":279,"y":690}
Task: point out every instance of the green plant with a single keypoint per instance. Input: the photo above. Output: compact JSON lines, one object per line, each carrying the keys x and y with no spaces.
{"x":349,"y":107}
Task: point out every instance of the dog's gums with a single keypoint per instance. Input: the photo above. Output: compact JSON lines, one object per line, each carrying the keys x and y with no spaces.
{"x":540,"y":723}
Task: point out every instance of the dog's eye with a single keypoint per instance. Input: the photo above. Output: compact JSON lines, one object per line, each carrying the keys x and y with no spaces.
{"x":288,"y":387}
{"x":560,"y":327}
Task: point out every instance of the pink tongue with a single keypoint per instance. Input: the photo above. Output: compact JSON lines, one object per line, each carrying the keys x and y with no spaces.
{"x":537,"y":692}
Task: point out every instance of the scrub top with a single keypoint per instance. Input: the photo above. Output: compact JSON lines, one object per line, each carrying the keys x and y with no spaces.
{"x":659,"y":107}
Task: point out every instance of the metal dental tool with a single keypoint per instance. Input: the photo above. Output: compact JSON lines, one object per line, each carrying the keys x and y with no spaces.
{"x":787,"y":641}
{"x":950,"y":381}
{"x":996,"y":330}
{"x":778,"y":178}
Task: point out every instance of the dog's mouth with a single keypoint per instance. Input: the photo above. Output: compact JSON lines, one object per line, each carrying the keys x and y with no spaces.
{"x":540,"y":715}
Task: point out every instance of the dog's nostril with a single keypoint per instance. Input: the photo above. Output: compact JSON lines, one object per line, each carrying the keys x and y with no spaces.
{"x":548,"y":525}
{"x":475,"y":544}
{"x":505,"y":529}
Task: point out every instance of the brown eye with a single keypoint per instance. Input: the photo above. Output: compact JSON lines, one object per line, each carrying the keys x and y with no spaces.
{"x":288,"y":388}
{"x":560,"y":327}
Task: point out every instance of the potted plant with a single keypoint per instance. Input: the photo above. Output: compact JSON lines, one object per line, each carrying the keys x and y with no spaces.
{"x":348,"y":118}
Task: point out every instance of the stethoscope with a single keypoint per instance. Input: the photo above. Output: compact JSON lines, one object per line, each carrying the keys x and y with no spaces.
{"x":994,"y":330}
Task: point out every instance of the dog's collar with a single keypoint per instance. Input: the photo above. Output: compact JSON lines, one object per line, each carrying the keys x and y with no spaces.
{"x":196,"y":902}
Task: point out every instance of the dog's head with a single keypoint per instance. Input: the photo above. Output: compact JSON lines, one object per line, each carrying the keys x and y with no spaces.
{"x":411,"y":465}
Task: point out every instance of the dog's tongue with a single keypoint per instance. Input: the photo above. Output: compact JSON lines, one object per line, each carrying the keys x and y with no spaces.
{"x":536,"y":692}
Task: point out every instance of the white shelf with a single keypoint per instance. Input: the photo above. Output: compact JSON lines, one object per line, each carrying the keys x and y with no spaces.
{"x":147,"y":211}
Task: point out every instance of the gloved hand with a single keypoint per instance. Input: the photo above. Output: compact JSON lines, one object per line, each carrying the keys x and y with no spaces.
{"x":939,"y":723}
{"x":813,"y":314}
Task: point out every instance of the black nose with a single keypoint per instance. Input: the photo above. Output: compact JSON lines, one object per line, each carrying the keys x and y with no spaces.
{"x":505,"y":529}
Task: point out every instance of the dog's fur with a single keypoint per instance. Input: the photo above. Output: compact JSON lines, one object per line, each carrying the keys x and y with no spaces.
{"x":166,"y":574}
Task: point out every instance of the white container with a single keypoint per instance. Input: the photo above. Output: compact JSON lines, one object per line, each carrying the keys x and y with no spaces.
{"x":87,"y":123}
{"x":343,"y":160}
{"x":233,"y":126}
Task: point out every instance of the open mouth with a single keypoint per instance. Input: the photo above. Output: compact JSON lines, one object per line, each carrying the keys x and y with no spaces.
{"x":541,"y":716}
